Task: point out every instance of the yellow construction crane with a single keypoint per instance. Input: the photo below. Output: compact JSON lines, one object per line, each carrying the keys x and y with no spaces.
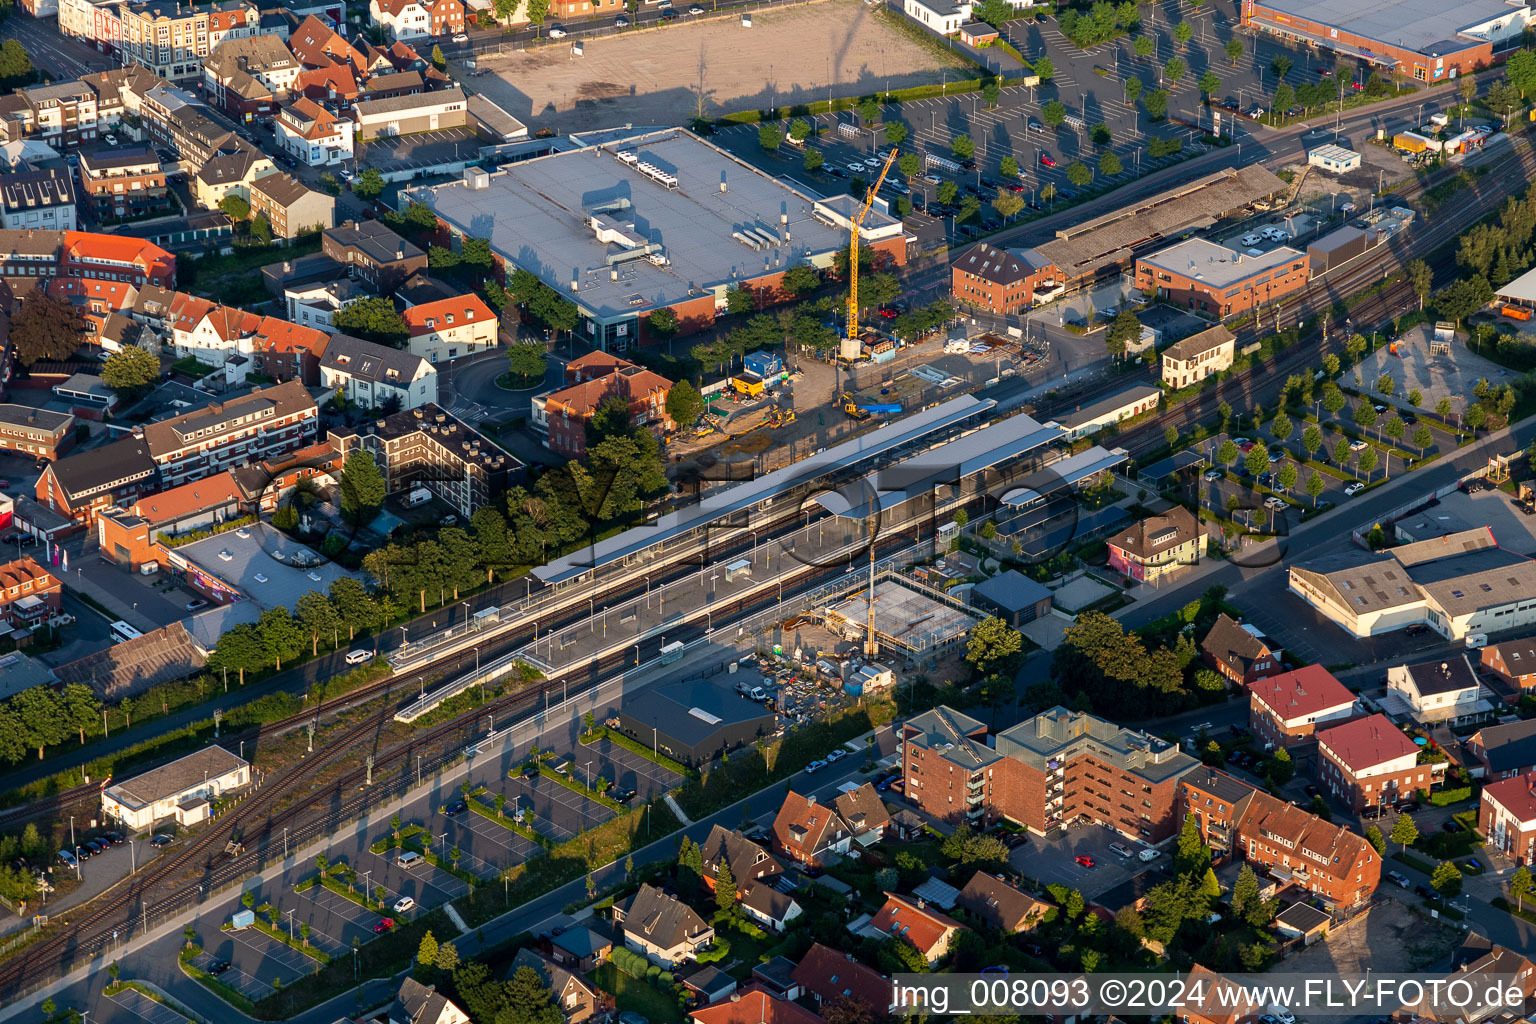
{"x":853,"y":248}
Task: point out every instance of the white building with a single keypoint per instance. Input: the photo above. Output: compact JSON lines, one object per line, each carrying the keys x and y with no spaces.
{"x":450,"y":328}
{"x":183,"y":789}
{"x":373,"y":375}
{"x":315,"y":304}
{"x":1334,"y":159}
{"x":313,"y":134}
{"x":1438,"y":691}
{"x":1192,"y":359}
{"x":1090,"y":419}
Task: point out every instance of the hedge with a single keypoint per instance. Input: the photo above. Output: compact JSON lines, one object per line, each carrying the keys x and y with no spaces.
{"x":628,"y":961}
{"x":1446,"y":797}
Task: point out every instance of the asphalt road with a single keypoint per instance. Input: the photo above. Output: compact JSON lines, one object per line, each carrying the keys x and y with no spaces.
{"x":61,"y":57}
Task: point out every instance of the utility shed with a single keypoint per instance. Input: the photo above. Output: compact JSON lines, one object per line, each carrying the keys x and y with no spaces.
{"x":1337,"y":247}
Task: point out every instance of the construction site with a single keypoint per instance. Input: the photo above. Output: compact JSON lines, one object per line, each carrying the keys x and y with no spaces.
{"x":904,"y":614}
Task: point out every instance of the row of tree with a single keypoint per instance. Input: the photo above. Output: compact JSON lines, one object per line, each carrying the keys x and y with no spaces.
{"x":1100,"y":665}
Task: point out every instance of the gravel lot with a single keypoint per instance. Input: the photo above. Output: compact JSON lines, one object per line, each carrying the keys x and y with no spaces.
{"x":658,"y":77}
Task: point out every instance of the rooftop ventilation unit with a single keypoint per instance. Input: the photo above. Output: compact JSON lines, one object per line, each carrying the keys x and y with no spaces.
{"x":627,"y":156}
{"x":657,"y":175}
{"x":746,"y":240}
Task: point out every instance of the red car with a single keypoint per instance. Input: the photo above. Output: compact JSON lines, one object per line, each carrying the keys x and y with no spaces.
{"x":383,"y":926}
{"x":888,"y":313}
{"x":1085,"y":860}
{"x":1047,"y":160}
{"x":1016,"y":188}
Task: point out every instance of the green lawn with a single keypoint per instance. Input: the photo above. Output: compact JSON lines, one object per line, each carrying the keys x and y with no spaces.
{"x":638,"y":995}
{"x":746,"y":951}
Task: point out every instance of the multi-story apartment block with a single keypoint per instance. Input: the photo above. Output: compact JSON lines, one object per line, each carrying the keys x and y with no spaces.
{"x":35,"y":433}
{"x":41,"y":200}
{"x":267,"y":422}
{"x":1369,"y":762}
{"x":84,"y":254}
{"x":429,"y":447}
{"x":230,"y":174}
{"x":1507,"y":816}
{"x":167,"y":38}
{"x":1003,"y":281}
{"x":449,"y":328}
{"x":1327,"y":860}
{"x":290,"y":207}
{"x":63,"y":114}
{"x":373,"y":254}
{"x":1158,"y":545}
{"x":313,"y":134}
{"x":232,"y":19}
{"x":418,"y":19}
{"x":315,"y":303}
{"x":77,"y":20}
{"x":120,"y":91}
{"x":1285,"y":710}
{"x":81,"y":486}
{"x":377,"y":376}
{"x":1045,"y":772}
{"x":1223,"y":282}
{"x":244,"y":75}
{"x":1196,"y":357}
{"x":29,"y":594}
{"x":123,"y":182}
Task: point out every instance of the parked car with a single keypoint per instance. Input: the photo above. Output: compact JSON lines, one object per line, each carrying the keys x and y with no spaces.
{"x":404,"y":905}
{"x":1358,"y":445}
{"x":621,"y":22}
{"x":1451,"y":825}
{"x":1085,"y":861}
{"x":1244,"y":444}
{"x":837,"y":754}
{"x":815,"y":766}
{"x":555,"y":32}
{"x":1311,"y":790}
{"x":1213,"y":474}
{"x":1426,"y":892}
{"x":1417,"y":629}
{"x":67,"y":857}
{"x":1047,"y":160}
{"x":456,"y":808}
{"x":1036,"y":126}
{"x":1275,"y":503}
{"x":623,"y":796}
{"x":460,"y":37}
{"x":1408,"y":807}
{"x":218,"y":967}
{"x":1354,"y":489}
{"x":161,"y":840}
{"x":1121,"y":849}
{"x":115,"y":838}
{"x":383,"y":925}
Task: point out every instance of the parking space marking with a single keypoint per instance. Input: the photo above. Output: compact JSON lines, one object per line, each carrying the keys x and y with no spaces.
{"x":247,"y":984}
{"x":146,"y":1009}
{"x":273,"y":950}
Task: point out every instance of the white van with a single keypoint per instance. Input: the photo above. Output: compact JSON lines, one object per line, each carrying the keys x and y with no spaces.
{"x":359,"y":657}
{"x":408,"y":859}
{"x":1247,"y":240}
{"x":1477,"y":640}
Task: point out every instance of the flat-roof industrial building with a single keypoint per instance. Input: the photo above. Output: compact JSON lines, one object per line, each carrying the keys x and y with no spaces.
{"x":1209,"y":277}
{"x":693,"y":721}
{"x":1426,"y":40}
{"x":659,"y":220}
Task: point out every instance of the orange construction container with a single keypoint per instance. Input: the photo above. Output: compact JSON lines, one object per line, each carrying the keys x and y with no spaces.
{"x":1516,"y":312}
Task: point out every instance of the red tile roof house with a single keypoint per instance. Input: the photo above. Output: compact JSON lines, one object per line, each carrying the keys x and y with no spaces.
{"x":831,"y":975}
{"x":1285,"y":710}
{"x":864,"y":813}
{"x":807,"y":832}
{"x":28,"y":593}
{"x":1369,"y":762}
{"x":909,"y":918}
{"x":753,"y":1005}
{"x":1507,"y":816}
{"x":1238,"y":655}
{"x":749,"y":862}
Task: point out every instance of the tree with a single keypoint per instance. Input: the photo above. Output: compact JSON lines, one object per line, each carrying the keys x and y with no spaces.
{"x":1257,"y":460}
{"x":1171,"y":435}
{"x":1404,"y":831}
{"x":1395,"y":428}
{"x":1467,"y":86}
{"x":1191,"y":857}
{"x":869,"y":110}
{"x":1367,"y":463}
{"x":283,"y":637}
{"x":362,"y":487}
{"x":1341,"y":450}
{"x":1285,"y":97}
{"x":373,"y":319}
{"x":1447,"y":878}
{"x":947,"y":192}
{"x":1311,"y":439}
{"x":1281,"y":65}
{"x":769,"y":136}
{"x":1007,"y":204}
{"x":909,"y":164}
{"x":1228,"y":452}
{"x":369,"y":185}
{"x":261,"y":228}
{"x":1376,"y":839}
{"x":1365,"y":414}
{"x":1421,"y":278}
{"x":447,"y":957}
{"x":1234,"y":50}
{"x":1109,"y":163}
{"x":318,"y":618}
{"x":1182,"y":32}
{"x":45,"y":328}
{"x":895,"y":132}
{"x":1156,"y":104}
{"x":991,"y":92}
{"x":526,"y":360}
{"x":1315,"y":487}
{"x":1286,"y":475}
{"x":1520,"y":881}
{"x":1045,"y":69}
{"x":1281,"y":426}
{"x":1123,"y":330}
{"x":1246,"y":900}
{"x":1224,"y":412}
{"x":1333,"y":398}
{"x":1174,"y":70}
{"x":725,"y":887}
{"x":16,"y":68}
{"x":235,"y":207}
{"x":799,"y":129}
{"x":1464,"y":296}
{"x":240,"y":648}
{"x":993,"y":646}
{"x":1078,"y":173}
{"x":962,"y":146}
{"x":740,"y":301}
{"x":1133,"y":89}
{"x":1443,"y":408}
{"x":1053,"y":113}
{"x":130,"y":369}
{"x":684,"y":404}
{"x":662,"y":323}
{"x":1423,"y":437}
{"x":1008,"y":167}
{"x":426,"y":953}
{"x":1209,"y":83}
{"x":1143,"y":46}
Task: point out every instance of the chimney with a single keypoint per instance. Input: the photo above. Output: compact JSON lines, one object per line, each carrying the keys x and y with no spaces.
{"x":811,"y":799}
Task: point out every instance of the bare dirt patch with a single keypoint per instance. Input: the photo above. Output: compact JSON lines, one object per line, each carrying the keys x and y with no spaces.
{"x":714,"y":66}
{"x":1391,"y":938}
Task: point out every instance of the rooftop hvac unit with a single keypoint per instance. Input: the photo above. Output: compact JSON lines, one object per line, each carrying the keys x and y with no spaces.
{"x":745,"y":240}
{"x":768,"y":237}
{"x":627,"y":156}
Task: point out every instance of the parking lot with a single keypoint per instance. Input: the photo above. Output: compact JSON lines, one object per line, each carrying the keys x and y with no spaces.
{"x":1053,"y":861}
{"x":138,"y":1007}
{"x":235,"y":976}
{"x":628,"y":770}
{"x":418,"y":152}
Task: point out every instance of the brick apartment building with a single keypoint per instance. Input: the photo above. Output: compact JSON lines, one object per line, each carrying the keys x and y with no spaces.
{"x":265,"y":423}
{"x":80,"y":486}
{"x":28,"y":593}
{"x":128,"y":536}
{"x":290,"y":206}
{"x":1513,"y":661}
{"x":564,"y":414}
{"x":1369,"y":762}
{"x":373,"y":254}
{"x":1507,"y":817}
{"x":1158,"y":545}
{"x":1002,"y":281}
{"x":123,"y":182}
{"x":1502,"y":751}
{"x":1285,"y":841}
{"x":1285,"y":710}
{"x":63,"y":114}
{"x":1242,"y":656}
{"x":429,"y":447}
{"x":36,"y":433}
{"x":1223,"y":282}
{"x":1045,"y":772}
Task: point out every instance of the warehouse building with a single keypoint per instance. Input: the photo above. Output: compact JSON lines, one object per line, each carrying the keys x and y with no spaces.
{"x":1211,"y":278}
{"x":1424,"y":40}
{"x":693,"y":721}
{"x":661,"y":220}
{"x":182,"y":789}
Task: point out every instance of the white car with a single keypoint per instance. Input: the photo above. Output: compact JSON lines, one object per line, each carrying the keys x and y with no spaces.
{"x":1358,"y":446}
{"x":814,"y":767}
{"x":404,"y":904}
{"x":556,"y":32}
{"x":1354,"y":488}
{"x":359,"y":657}
{"x":1214,"y":474}
{"x":1275,"y":502}
{"x":1249,"y":240}
{"x":695,"y":10}
{"x":461,"y":37}
{"x":837,"y":754}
